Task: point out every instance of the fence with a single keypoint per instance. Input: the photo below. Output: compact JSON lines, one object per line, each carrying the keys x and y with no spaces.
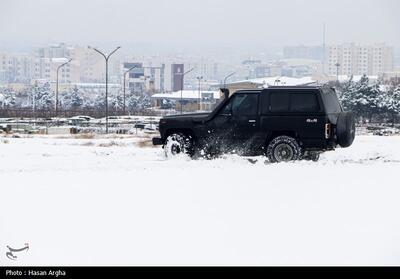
{"x":46,"y":113}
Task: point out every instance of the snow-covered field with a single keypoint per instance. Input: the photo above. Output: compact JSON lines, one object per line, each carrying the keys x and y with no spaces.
{"x":118,"y":201}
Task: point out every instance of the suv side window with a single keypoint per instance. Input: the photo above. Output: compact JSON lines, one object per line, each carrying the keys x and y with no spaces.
{"x":245,"y":104}
{"x":304,"y":102}
{"x":279,"y":102}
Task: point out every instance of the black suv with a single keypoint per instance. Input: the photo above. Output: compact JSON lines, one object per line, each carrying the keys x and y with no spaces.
{"x":284,"y":123}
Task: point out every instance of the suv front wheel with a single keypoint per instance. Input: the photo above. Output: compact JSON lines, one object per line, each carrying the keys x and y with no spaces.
{"x":283,"y":149}
{"x":178,"y":144}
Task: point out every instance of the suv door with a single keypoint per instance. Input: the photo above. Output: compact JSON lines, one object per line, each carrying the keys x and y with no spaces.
{"x":219,"y":132}
{"x":245,"y":115}
{"x":236,"y":123}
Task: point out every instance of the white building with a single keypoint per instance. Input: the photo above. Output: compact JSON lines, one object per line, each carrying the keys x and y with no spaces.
{"x":354,"y":59}
{"x":16,"y":68}
{"x":190,"y":100}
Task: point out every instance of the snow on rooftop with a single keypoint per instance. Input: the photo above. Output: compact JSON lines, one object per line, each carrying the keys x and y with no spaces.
{"x":278,"y":81}
{"x":186,"y":94}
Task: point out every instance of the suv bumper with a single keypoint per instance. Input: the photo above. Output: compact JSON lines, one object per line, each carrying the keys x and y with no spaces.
{"x":158,"y":141}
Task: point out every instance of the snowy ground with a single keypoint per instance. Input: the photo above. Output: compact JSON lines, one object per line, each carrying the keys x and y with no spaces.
{"x":118,"y":201}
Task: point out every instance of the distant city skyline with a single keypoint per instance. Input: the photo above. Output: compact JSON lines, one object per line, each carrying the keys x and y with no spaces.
{"x":180,"y":26}
{"x":156,"y":72}
{"x":141,"y":51}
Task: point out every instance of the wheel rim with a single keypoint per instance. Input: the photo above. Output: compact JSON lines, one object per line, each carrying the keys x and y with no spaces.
{"x":175,"y":149}
{"x":283,"y":152}
{"x":174,"y":146}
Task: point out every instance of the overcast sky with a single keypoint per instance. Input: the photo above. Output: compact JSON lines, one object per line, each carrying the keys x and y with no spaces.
{"x":259,"y":23}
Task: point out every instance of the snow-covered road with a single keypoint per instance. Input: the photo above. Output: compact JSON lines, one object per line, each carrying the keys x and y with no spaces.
{"x":116,"y":201}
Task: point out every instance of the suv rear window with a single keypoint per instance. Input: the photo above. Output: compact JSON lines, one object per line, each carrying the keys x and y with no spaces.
{"x":293,"y":101}
{"x":279,"y":102}
{"x":304,"y":102}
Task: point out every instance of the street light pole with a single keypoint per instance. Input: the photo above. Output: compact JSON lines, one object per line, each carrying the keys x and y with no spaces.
{"x":199,"y":78}
{"x":58,"y":70}
{"x":183,"y":86}
{"x":126,"y":72}
{"x":228,"y":76}
{"x":106,"y":57}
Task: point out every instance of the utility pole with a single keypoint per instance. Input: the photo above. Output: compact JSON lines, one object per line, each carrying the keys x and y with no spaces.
{"x":199,"y":78}
{"x":34,"y":99}
{"x":183,"y":85}
{"x":324,"y":49}
{"x":106,"y":58}
{"x":58,"y":70}
{"x":125,"y":73}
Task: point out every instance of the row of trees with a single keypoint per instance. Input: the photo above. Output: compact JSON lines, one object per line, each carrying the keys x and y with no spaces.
{"x":77,"y":100}
{"x":7,"y":98}
{"x":41,"y":97}
{"x":370,"y":101}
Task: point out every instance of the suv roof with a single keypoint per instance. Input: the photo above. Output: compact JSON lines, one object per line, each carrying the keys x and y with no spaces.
{"x":302,"y":87}
{"x":248,"y":91}
{"x":294,"y":87}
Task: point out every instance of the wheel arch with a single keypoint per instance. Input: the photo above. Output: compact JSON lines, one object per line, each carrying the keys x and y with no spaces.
{"x":185,"y":131}
{"x":274,"y":134}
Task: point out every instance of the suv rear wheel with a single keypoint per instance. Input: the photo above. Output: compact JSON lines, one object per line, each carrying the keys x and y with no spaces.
{"x":283,"y":149}
{"x":178,"y":144}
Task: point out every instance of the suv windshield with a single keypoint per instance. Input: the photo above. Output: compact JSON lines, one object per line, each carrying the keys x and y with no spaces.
{"x":331,"y":101}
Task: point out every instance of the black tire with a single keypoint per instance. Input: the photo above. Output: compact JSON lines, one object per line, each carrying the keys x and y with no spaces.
{"x":283,"y":149}
{"x":178,"y":144}
{"x":346,"y":129}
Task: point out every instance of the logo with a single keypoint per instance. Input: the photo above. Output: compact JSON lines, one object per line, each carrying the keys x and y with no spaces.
{"x":312,"y":120}
{"x":11,"y":254}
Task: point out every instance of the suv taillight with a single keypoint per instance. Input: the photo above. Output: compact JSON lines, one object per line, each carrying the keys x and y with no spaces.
{"x":328,"y":130}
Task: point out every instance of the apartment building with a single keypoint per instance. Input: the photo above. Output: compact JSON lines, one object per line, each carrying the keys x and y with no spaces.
{"x":87,"y":66}
{"x":60,"y":50}
{"x":16,"y":68}
{"x":355,"y":59}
